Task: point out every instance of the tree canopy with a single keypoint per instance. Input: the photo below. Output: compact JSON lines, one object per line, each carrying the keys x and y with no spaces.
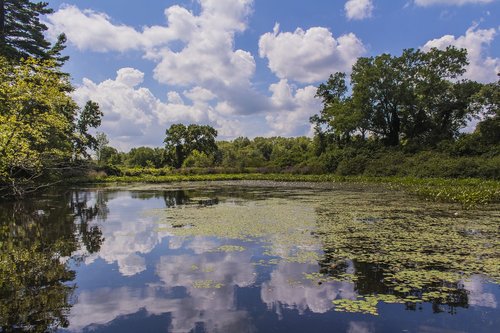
{"x":40,"y":124}
{"x":416,"y":98}
{"x":181,"y":141}
{"x":22,"y":32}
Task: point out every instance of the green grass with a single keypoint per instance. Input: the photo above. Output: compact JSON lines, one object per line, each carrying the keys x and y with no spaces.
{"x":469,"y":192}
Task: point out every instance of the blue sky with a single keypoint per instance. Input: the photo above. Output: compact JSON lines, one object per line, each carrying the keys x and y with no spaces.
{"x":246,"y":67}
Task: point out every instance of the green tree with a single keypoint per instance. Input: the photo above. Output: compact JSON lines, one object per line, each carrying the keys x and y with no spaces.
{"x":416,"y":98}
{"x":22,"y":32}
{"x":181,"y":141}
{"x":489,"y":129}
{"x":338,"y":119}
{"x":145,"y":157}
{"x":90,"y":116}
{"x":40,"y":125}
{"x":198,"y":160}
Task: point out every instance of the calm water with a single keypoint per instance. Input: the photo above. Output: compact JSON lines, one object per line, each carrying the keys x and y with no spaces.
{"x":246,"y":257}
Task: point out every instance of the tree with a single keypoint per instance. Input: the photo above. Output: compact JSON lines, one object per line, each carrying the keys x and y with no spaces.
{"x":101,"y":142}
{"x":22,"y":32}
{"x":110,"y":155}
{"x":415,"y":98}
{"x":145,"y":157}
{"x":39,"y":123}
{"x":181,"y":141}
{"x":90,"y":116}
{"x":338,"y":118}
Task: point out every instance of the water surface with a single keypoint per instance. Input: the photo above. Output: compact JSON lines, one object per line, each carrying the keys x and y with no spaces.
{"x":247,"y":257}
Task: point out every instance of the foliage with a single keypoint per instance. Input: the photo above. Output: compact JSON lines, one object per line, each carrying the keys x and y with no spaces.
{"x":417,"y":253}
{"x":40,"y":125}
{"x":22,"y":32}
{"x":101,"y":142}
{"x":181,"y":141}
{"x":411,"y":99}
{"x":198,"y":160}
{"x":145,"y":157}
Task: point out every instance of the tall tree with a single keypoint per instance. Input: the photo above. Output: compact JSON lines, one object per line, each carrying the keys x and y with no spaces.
{"x":22,"y":32}
{"x":181,"y":140}
{"x":90,"y":116}
{"x":416,"y":97}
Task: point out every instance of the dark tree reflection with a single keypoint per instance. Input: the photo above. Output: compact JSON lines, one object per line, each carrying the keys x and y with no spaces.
{"x":37,"y":240}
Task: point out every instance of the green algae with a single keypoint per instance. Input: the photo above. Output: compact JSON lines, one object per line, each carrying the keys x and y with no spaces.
{"x":286,"y":228}
{"x":207,"y":284}
{"x":423,"y":252}
{"x":229,"y":248}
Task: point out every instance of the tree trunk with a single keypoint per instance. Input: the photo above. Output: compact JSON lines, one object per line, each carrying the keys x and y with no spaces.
{"x":395,"y":128}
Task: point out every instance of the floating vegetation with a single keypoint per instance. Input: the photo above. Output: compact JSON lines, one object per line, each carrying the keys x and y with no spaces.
{"x":365,"y":304}
{"x":287,"y":228}
{"x":418,"y":254}
{"x":393,"y":247}
{"x":229,"y":248}
{"x":320,"y":278}
{"x":207,"y":284}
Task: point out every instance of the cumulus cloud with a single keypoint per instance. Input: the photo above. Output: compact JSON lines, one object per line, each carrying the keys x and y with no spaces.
{"x":358,"y":9}
{"x":91,"y":30}
{"x":427,"y":3}
{"x":309,"y":56}
{"x":207,"y":52}
{"x":133,"y":115}
{"x":293,"y":108}
{"x":481,"y":67}
{"x":209,"y":79}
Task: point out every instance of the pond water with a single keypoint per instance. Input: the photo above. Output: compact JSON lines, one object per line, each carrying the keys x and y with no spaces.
{"x":247,"y":257}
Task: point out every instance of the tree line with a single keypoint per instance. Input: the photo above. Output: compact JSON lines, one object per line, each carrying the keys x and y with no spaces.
{"x":394,"y":115}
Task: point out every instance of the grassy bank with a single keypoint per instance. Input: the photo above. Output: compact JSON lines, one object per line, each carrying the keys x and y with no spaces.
{"x":468,"y":192}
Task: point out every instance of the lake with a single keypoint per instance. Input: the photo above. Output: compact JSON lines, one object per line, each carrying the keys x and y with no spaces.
{"x":247,"y":257}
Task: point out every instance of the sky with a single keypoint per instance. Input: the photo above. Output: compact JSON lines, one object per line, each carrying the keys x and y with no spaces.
{"x":246,"y":67}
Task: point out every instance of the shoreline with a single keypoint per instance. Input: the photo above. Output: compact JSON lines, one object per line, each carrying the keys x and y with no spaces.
{"x":468,"y":192}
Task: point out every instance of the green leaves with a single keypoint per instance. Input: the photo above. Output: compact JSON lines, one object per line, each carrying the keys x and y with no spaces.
{"x":181,"y":141}
{"x":409,"y":98}
{"x":39,"y":128}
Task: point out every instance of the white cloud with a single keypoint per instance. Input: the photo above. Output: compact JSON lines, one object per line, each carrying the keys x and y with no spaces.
{"x":292,"y":109}
{"x":482,"y":67}
{"x":358,"y":9}
{"x":427,"y":3}
{"x":311,"y":55}
{"x":210,"y":81}
{"x":133,"y":115}
{"x":91,"y":30}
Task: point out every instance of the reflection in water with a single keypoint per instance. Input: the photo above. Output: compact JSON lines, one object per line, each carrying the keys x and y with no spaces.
{"x":229,"y":259}
{"x":35,"y":237}
{"x":287,"y":289}
{"x":409,"y":254}
{"x":214,"y":307}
